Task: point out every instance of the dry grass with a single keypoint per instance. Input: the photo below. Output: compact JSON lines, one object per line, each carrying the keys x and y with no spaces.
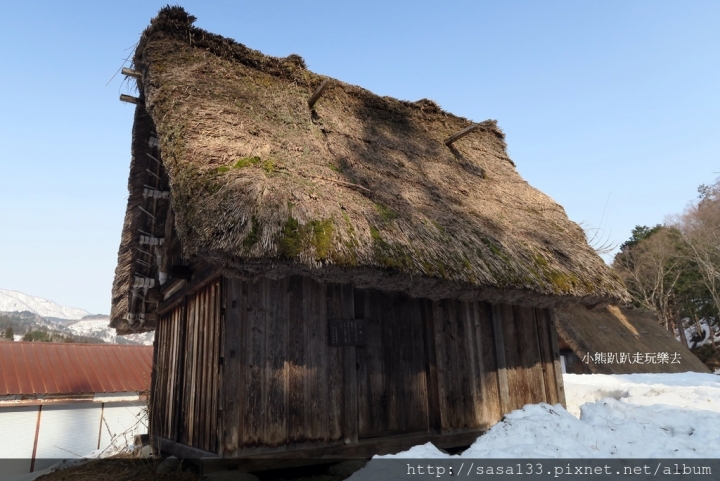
{"x":363,"y":189}
{"x":118,"y":468}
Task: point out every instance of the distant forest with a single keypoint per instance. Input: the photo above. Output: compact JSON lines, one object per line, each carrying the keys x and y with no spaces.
{"x":673,"y":269}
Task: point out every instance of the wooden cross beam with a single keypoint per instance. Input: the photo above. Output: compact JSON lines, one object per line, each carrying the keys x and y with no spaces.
{"x":129,"y":99}
{"x":318,"y":92}
{"x":461,"y":134}
{"x":131,"y":73}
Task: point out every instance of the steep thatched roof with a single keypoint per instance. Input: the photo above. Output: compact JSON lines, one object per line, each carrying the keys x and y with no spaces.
{"x":613,"y":330}
{"x":360,"y":189}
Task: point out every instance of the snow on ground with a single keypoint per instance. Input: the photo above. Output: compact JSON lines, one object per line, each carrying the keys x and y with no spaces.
{"x":616,"y":416}
{"x":691,"y":331}
{"x":687,"y":390}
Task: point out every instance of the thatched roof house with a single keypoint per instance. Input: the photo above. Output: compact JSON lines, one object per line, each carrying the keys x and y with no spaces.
{"x":319,"y":260}
{"x":613,"y":340}
{"x":365,"y":190}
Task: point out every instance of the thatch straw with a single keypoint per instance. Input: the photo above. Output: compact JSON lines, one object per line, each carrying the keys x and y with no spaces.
{"x":614,"y":330}
{"x":362,"y":189}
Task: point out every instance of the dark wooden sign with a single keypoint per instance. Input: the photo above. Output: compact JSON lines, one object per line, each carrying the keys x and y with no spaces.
{"x":347,"y":332}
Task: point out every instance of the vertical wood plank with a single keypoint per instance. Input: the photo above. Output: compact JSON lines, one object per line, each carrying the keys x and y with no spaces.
{"x":232,"y":364}
{"x":187,"y":385}
{"x":372,"y":405}
{"x":456,"y":373}
{"x":210,"y":361}
{"x":361,"y":375}
{"x":255,"y":392}
{"x":439,"y":315}
{"x":169,"y":366}
{"x":213,"y":395}
{"x":184,"y":415}
{"x":414,"y":370}
{"x":196,"y":369}
{"x":491,"y":411}
{"x":180,"y":398}
{"x":350,"y":394}
{"x":472,"y":363}
{"x":546,"y":355}
{"x":434,"y":407}
{"x":317,"y":414}
{"x":169,"y":381}
{"x":517,"y":377}
{"x":222,"y":396}
{"x":504,"y":390}
{"x":556,"y":356}
{"x":156,"y":383}
{"x":334,"y":362}
{"x":169,"y":361}
{"x":405,"y":409}
{"x":391,"y":360}
{"x":530,"y":361}
{"x":276,"y":348}
{"x":298,"y":370}
{"x":200,"y":306}
{"x":201,"y":407}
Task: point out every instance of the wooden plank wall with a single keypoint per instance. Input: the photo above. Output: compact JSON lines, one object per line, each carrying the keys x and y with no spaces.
{"x":165,"y":394}
{"x":184,"y":400}
{"x":283,"y":382}
{"x":531,"y":371}
{"x":466,"y":365}
{"x":201,"y":383}
{"x":391,"y":370}
{"x":438,"y":367}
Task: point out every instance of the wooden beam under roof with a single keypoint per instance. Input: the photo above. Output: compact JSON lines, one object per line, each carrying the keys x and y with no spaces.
{"x":318,"y":92}
{"x":131,"y":73}
{"x":459,"y":135}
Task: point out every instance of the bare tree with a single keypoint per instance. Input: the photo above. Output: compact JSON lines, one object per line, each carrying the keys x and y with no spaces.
{"x":700,"y":229}
{"x":651,"y":269}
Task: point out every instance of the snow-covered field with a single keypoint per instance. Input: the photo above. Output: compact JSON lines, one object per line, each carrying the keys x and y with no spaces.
{"x":609,"y":416}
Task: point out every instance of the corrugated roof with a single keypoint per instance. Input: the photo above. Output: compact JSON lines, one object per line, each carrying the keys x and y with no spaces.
{"x":28,"y":368}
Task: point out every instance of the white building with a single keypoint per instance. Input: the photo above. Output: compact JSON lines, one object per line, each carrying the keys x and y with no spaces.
{"x":61,"y":401}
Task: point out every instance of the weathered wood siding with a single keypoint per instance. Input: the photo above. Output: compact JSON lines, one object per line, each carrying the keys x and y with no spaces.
{"x":246,"y":367}
{"x":466,"y":365}
{"x":391,"y":375}
{"x":186,"y":388}
{"x":164,"y":396}
{"x":283,"y":382}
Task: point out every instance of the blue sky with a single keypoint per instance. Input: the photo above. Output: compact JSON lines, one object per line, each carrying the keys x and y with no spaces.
{"x":603,"y":103}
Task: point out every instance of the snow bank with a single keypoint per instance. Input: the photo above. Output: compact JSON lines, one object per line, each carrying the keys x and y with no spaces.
{"x":689,"y":390}
{"x":618,"y":416}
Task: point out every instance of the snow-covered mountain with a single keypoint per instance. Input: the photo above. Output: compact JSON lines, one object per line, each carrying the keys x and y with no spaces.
{"x":97,"y":327}
{"x":13,"y":301}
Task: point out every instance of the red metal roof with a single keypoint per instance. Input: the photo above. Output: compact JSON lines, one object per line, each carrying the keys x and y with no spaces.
{"x":28,"y":368}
